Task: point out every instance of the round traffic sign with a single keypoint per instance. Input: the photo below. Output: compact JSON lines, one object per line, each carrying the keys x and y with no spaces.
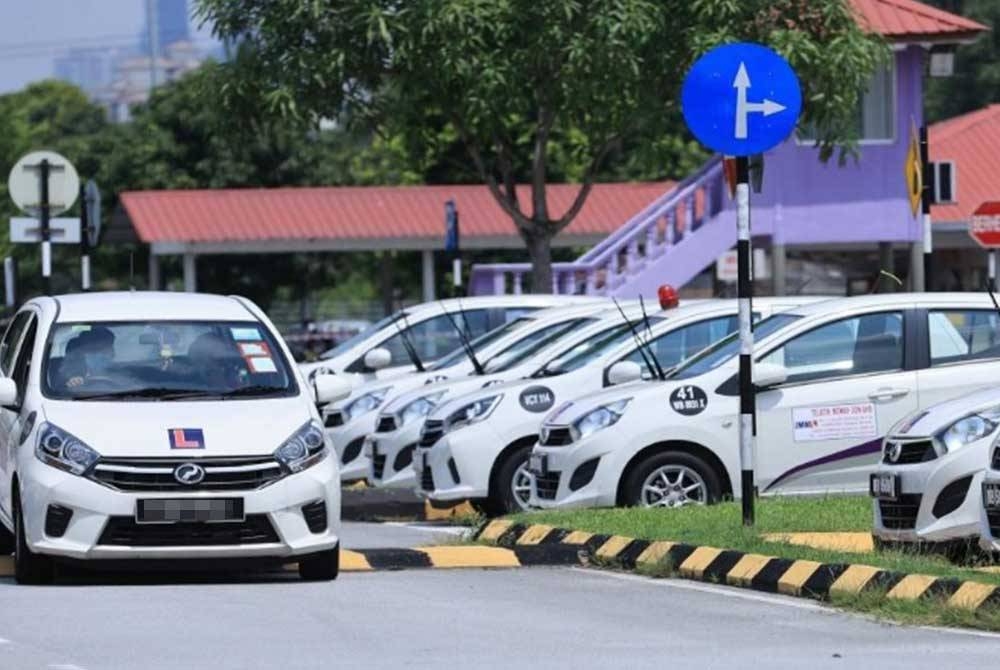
{"x":24,"y":183}
{"x":741,"y":99}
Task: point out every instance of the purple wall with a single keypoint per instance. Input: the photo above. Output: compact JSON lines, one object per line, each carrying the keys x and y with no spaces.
{"x":806,"y":201}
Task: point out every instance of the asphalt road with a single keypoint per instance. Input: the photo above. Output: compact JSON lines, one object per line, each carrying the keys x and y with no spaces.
{"x":529,"y":617}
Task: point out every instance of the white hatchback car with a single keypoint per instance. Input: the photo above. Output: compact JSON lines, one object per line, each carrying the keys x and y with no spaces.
{"x":161,"y":426}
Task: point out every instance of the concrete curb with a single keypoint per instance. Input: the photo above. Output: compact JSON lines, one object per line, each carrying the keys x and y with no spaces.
{"x":773,"y":574}
{"x":448,"y":557}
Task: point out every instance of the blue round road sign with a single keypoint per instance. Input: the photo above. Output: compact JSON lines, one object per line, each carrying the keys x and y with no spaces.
{"x":741,"y":99}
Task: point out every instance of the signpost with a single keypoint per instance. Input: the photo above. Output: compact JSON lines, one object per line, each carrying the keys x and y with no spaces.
{"x":985,"y":230}
{"x":43,"y":184}
{"x":90,"y":216}
{"x":452,"y":242}
{"x":740,"y":100}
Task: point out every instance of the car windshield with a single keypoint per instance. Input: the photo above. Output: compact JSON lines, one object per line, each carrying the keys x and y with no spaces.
{"x":350,"y":342}
{"x":720,"y":352}
{"x":588,"y":350}
{"x":458,"y":355}
{"x":531,"y":344}
{"x":164,"y":360}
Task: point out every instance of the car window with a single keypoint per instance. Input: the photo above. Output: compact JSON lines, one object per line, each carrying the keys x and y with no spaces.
{"x":858,"y":345}
{"x":673,"y":347}
{"x":8,"y":348}
{"x":531,"y":344}
{"x":22,"y":367}
{"x":582,"y":353}
{"x":365,"y":333}
{"x":715,"y":355}
{"x":435,"y":337}
{"x":511,"y":313}
{"x":458,"y":354}
{"x":962,"y":335}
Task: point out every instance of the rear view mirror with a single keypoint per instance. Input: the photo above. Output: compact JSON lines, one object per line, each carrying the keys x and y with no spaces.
{"x":330,"y":388}
{"x":8,"y":392}
{"x":766,"y":375}
{"x":624,"y":372}
{"x":378,"y":358}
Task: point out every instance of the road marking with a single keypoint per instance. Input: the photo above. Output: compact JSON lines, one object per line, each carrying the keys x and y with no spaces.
{"x":471,"y":557}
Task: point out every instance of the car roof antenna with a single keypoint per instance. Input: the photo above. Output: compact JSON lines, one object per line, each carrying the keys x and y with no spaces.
{"x":466,"y":346}
{"x":661,"y":375}
{"x":404,"y":336}
{"x":638,"y":340}
{"x":989,"y":292}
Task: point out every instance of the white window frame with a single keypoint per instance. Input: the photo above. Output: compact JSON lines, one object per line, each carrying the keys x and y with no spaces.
{"x":895,"y":114}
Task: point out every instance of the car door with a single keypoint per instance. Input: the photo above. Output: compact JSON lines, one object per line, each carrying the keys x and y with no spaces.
{"x":962,"y":353}
{"x":15,"y":355}
{"x":849,"y":380}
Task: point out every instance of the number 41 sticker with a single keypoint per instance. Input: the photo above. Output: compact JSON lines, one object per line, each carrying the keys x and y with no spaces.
{"x":688,"y":400}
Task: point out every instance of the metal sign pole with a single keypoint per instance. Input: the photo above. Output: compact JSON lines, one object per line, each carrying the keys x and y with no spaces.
{"x":991,"y":262}
{"x":84,"y":239}
{"x":744,"y":293}
{"x":925,"y":208}
{"x":43,"y":211}
{"x":10,"y":281}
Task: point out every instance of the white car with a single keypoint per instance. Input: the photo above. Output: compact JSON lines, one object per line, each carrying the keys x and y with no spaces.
{"x":351,"y":420}
{"x":380,"y":351}
{"x":161,"y":426}
{"x":832,"y":379}
{"x":476,"y":446}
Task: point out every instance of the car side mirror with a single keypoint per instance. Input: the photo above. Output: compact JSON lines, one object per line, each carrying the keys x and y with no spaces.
{"x":624,"y":372}
{"x":330,"y":388}
{"x":378,"y":358}
{"x":766,"y":375}
{"x":8,"y":392}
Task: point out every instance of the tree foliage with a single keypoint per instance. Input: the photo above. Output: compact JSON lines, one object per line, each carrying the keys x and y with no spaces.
{"x":521,"y":82}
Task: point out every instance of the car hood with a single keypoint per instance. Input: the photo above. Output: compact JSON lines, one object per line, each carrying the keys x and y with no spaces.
{"x":937,"y":417}
{"x":142,"y":429}
{"x":450,"y":388}
{"x":571,"y":410}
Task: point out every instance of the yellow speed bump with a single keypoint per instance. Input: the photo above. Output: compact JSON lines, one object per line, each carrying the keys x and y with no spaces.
{"x":698,"y":561}
{"x":855,"y":578}
{"x":796,"y":576}
{"x":534,"y":534}
{"x":577,"y":537}
{"x":495,"y":529}
{"x":911,"y":587}
{"x":746,"y":569}
{"x":352,"y":561}
{"x":970,"y":595}
{"x":613,"y":547}
{"x":463,"y":508}
{"x":855,"y":543}
{"x":654,"y":553}
{"x":471,"y":557}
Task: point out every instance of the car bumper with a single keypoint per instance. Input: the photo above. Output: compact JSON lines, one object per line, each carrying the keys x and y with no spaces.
{"x":94,"y":506}
{"x":348,"y":440}
{"x":458,"y":466}
{"x":556,"y":488}
{"x":390,"y":457}
{"x":925,"y":486}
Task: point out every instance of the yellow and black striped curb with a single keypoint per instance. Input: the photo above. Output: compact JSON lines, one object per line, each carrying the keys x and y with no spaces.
{"x":773,"y":574}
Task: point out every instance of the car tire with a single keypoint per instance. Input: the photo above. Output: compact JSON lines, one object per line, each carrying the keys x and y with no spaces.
{"x":323,"y":566}
{"x":29,"y":567}
{"x":665,"y":466}
{"x":502,"y":499}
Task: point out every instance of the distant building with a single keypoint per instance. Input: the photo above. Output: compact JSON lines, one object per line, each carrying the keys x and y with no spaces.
{"x":89,"y":68}
{"x":173,"y":21}
{"x":131,"y":81}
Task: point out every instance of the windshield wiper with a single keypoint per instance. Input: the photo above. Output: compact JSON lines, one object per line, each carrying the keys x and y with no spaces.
{"x":463,"y":340}
{"x":411,"y":351}
{"x":155,"y":393}
{"x":250,"y":391}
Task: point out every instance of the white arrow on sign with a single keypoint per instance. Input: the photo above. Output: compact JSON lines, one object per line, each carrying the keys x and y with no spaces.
{"x":743,"y":108}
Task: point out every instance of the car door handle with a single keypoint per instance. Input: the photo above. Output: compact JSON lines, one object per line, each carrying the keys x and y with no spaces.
{"x":888,"y":393}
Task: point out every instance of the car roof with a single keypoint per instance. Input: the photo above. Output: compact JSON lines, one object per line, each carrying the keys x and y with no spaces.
{"x":539,"y":300}
{"x":895,"y":300}
{"x":146,"y":305}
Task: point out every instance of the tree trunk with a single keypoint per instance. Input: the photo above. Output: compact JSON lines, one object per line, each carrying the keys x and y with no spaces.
{"x":540,"y":250}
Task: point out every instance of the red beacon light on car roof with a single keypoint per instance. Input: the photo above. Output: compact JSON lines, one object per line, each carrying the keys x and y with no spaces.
{"x":668,"y":296}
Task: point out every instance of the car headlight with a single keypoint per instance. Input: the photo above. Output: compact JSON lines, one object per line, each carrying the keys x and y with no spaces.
{"x":305,"y":448}
{"x":369,"y":402}
{"x":600,"y":418}
{"x":62,"y":450}
{"x":471,"y":413}
{"x":970,"y":428}
{"x":419,"y":408}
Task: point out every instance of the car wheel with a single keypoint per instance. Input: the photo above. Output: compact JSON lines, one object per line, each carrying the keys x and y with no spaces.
{"x":323,"y":566}
{"x":29,"y":567}
{"x":511,"y":485}
{"x":672,"y":479}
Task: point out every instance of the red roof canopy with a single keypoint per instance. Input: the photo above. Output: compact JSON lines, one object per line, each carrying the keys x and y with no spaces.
{"x":908,"y":20}
{"x":374,"y":214}
{"x":973,"y":142}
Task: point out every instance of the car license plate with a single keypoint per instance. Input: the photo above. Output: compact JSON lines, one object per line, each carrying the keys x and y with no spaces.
{"x":884,"y":485}
{"x":991,"y":495}
{"x":538,"y":464}
{"x":371,"y":448}
{"x":189,"y":510}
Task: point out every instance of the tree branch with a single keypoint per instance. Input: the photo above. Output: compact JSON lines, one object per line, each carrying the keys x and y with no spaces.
{"x":587,"y":185}
{"x":539,"y":202}
{"x":512,"y":210}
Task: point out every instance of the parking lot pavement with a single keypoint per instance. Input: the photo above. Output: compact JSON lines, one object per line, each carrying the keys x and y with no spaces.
{"x":378,"y":535}
{"x":563,"y":617}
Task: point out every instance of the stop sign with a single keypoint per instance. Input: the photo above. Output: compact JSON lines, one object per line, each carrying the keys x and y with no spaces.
{"x":985,"y":225}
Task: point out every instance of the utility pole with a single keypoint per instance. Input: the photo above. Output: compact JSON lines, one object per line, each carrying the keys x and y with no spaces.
{"x":43,"y":219}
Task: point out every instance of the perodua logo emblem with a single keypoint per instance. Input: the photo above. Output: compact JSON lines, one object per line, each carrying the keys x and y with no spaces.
{"x":895,"y":451}
{"x":189,"y":474}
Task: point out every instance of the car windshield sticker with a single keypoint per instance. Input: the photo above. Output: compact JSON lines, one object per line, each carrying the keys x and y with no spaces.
{"x":261,"y":364}
{"x":186,"y":438}
{"x":249,"y":334}
{"x":835,"y":422}
{"x":537,"y":399}
{"x":254,"y":349}
{"x":688,"y":400}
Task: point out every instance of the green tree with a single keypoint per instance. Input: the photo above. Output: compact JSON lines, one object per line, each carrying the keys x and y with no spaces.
{"x":521,"y":82}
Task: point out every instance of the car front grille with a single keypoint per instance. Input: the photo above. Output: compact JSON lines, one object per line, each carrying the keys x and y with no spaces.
{"x":910,"y":452}
{"x":157,"y":474}
{"x":993,"y":519}
{"x":547,"y":485}
{"x":431,"y":433}
{"x":378,"y":465}
{"x":556,"y":437}
{"x":900,"y":514}
{"x":427,"y":479}
{"x":995,"y":460}
{"x":124,"y":531}
{"x":386,"y":424}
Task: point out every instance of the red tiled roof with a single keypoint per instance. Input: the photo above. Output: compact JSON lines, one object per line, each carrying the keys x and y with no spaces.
{"x":973,"y":142}
{"x":902,"y":20}
{"x":364,"y":212}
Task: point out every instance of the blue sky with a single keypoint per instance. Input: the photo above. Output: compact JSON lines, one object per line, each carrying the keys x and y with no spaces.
{"x":34,"y":32}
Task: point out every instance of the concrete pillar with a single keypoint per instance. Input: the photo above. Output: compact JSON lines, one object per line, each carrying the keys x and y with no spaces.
{"x":917,"y":266}
{"x":886,"y":262}
{"x":778,"y":269}
{"x":427,"y":261}
{"x":190,"y":273}
{"x":154,"y":272}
